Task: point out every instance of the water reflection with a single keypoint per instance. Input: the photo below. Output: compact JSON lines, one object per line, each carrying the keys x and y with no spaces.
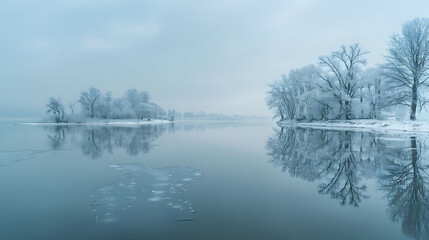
{"x":57,"y":139}
{"x":340,"y":161}
{"x":95,"y":141}
{"x":405,"y":181}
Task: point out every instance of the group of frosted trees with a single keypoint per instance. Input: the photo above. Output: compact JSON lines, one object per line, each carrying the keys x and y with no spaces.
{"x":95,"y":104}
{"x":340,"y":86}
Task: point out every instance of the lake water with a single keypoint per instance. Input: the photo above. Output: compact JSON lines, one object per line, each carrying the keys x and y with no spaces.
{"x":211,"y":181}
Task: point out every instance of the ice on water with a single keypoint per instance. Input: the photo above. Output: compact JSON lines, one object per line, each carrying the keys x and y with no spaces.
{"x":148,"y":194}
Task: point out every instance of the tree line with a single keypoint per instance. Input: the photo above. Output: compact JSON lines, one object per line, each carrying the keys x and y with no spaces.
{"x":340,"y":86}
{"x":93,"y":103}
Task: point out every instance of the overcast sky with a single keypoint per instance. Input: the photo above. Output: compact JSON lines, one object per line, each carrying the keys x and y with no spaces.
{"x":215,"y":56}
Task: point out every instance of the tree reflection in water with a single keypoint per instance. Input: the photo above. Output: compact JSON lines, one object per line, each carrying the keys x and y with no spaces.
{"x":96,"y":140}
{"x":340,"y":160}
{"x":57,"y":140}
{"x":405,"y":180}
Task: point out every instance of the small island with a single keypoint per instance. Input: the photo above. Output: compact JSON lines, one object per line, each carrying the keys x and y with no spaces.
{"x":97,"y":108}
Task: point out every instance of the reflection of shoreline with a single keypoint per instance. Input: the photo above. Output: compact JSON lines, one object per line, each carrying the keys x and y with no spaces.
{"x":96,"y":140}
{"x":365,"y":125}
{"x":100,"y":123}
{"x":341,"y":159}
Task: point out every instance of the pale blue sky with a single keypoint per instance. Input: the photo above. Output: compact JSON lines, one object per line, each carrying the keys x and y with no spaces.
{"x":216,"y":56}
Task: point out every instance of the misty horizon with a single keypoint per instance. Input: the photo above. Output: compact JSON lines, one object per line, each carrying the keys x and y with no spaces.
{"x":212,"y":57}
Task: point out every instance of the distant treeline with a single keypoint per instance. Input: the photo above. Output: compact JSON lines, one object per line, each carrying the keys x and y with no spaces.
{"x":93,"y":103}
{"x":134,"y":104}
{"x":341,"y":87}
{"x":212,"y":116}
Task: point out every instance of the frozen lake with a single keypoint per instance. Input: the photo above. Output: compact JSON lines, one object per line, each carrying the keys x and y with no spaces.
{"x":211,"y":181}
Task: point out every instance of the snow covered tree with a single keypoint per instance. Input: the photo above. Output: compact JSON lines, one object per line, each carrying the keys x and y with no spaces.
{"x":308,"y":99}
{"x":297,"y":96}
{"x":377,"y":94}
{"x":280,"y":100}
{"x":121,"y":109}
{"x":56,"y":107}
{"x":340,"y":88}
{"x":157,"y":111}
{"x":89,"y":99}
{"x":139,"y":101}
{"x":104,"y":107}
{"x":171,"y":113}
{"x":341,"y":75}
{"x":135,"y":97}
{"x":406,"y":64}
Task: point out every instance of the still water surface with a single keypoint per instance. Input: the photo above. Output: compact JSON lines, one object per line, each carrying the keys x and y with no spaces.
{"x":211,"y":181}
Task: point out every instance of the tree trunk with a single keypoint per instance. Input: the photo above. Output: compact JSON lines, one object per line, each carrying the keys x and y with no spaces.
{"x":361,"y":104}
{"x":341,"y":110}
{"x":92,"y":110}
{"x":414,"y":103}
{"x":377,"y":103}
{"x":348,"y":110}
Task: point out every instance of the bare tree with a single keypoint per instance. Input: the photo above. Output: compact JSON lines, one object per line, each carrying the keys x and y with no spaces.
{"x":56,"y":107}
{"x":280,"y":99}
{"x":89,"y":99}
{"x":407,"y":64}
{"x":342,"y":69}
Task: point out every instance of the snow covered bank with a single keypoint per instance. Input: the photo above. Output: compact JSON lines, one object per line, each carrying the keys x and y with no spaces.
{"x":365,"y":125}
{"x":110,"y":122}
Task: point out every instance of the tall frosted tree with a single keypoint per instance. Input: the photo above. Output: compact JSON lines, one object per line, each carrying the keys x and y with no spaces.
{"x":56,"y":107}
{"x":341,"y":73}
{"x":406,"y":65}
{"x":139,"y":101}
{"x":89,"y":99}
{"x":103,"y":108}
{"x":280,"y":99}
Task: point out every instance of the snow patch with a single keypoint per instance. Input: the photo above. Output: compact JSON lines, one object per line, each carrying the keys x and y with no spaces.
{"x":364,"y":125}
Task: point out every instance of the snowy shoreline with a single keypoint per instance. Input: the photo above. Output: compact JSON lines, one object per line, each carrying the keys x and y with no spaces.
{"x":363,"y":125}
{"x":100,"y":123}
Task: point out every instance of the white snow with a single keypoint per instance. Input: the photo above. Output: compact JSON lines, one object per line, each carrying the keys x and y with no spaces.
{"x":365,"y":125}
